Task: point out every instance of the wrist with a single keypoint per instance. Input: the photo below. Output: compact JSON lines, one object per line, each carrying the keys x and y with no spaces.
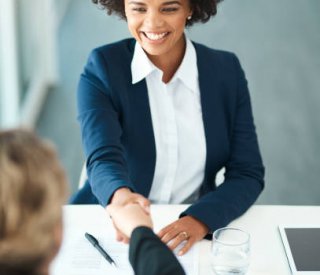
{"x":204,"y":228}
{"x":120,"y":195}
{"x":144,"y":228}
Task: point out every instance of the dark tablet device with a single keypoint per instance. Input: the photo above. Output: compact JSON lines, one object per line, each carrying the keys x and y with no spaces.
{"x":302,"y":246}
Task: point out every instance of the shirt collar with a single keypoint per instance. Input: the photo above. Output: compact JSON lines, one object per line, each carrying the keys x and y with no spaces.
{"x":141,"y":66}
{"x":188,"y":70}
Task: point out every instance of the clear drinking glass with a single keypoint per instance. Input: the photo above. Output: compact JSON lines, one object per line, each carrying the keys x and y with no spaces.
{"x":230,"y":251}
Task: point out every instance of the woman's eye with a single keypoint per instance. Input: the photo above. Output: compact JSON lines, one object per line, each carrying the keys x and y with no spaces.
{"x":139,"y":9}
{"x":169,"y":9}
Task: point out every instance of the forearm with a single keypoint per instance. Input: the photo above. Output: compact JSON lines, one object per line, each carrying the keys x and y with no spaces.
{"x":230,"y":200}
{"x":105,"y":180}
{"x":101,"y":133}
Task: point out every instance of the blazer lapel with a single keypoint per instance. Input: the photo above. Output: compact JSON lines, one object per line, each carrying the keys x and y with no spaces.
{"x":145,"y":149}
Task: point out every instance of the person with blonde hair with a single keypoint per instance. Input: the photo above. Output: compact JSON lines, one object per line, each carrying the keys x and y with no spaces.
{"x":33,"y":187}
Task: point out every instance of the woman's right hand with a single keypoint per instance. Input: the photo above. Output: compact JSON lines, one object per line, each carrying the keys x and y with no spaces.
{"x":128,"y":217}
{"x":124,"y":196}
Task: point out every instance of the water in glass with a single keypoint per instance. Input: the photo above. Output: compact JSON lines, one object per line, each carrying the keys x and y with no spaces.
{"x":230,"y":252}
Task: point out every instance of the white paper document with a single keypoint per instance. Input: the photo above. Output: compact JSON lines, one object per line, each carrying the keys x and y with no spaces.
{"x":77,"y":256}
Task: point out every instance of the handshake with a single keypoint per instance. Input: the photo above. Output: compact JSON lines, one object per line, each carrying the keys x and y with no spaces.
{"x":130,"y":210}
{"x":127,"y":217}
{"x":148,"y":253}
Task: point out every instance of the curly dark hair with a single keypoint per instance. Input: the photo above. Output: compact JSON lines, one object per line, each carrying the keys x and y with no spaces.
{"x":202,"y":10}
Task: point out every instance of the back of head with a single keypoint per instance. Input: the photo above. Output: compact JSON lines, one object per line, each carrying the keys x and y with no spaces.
{"x":32,"y":191}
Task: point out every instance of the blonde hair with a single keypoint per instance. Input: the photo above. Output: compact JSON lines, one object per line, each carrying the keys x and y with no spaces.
{"x":33,"y":188}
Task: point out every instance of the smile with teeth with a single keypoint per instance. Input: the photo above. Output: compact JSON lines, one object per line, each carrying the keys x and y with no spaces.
{"x":155,"y":36}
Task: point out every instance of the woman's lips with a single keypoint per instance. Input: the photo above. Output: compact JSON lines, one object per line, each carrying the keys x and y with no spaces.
{"x":155,"y":36}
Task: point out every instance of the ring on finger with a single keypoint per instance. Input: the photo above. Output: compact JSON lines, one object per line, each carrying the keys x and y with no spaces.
{"x":185,"y":235}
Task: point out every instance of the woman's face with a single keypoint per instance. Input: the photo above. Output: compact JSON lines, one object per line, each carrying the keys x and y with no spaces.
{"x":158,"y":25}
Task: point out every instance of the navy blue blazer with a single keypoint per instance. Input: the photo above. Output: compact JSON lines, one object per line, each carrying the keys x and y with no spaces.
{"x":119,"y":142}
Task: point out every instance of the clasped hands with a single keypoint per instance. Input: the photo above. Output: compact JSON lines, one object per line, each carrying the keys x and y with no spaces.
{"x":129,"y":210}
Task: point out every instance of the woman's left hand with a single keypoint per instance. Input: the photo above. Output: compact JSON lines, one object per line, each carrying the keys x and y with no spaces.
{"x":186,"y":229}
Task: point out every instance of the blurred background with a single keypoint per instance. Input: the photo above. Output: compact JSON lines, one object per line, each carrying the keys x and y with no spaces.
{"x":44,"y":45}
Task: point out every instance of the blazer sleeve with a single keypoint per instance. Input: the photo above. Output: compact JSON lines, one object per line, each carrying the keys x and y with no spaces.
{"x":150,"y":256}
{"x":101,"y":131}
{"x":244,"y":176}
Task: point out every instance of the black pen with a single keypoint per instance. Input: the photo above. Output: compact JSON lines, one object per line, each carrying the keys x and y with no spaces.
{"x":96,"y":245}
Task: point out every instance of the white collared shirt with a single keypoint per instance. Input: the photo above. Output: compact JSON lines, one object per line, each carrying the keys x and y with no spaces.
{"x":177,"y":125}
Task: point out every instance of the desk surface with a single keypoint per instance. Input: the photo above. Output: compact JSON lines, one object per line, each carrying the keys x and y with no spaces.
{"x":267,"y":253}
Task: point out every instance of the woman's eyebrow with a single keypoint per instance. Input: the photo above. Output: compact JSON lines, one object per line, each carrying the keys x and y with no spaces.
{"x":171,"y":3}
{"x":136,"y":3}
{"x":133,"y":2}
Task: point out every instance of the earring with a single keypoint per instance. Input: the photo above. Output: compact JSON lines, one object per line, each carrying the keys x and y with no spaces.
{"x":189,"y":17}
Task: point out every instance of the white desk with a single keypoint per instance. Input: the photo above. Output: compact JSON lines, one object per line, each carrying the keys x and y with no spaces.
{"x":267,"y":257}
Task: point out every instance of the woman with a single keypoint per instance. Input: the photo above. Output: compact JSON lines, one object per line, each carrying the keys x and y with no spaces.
{"x":32,"y":190}
{"x":161,"y":115}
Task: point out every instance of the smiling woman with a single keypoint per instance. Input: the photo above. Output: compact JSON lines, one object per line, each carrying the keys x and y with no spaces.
{"x":158,"y":26}
{"x":160,"y":115}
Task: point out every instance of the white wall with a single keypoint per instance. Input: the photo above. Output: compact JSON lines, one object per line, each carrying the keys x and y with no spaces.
{"x":9,"y":80}
{"x":28,"y":57}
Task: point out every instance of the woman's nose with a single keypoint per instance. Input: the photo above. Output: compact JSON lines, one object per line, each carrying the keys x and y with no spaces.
{"x":153,"y":19}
